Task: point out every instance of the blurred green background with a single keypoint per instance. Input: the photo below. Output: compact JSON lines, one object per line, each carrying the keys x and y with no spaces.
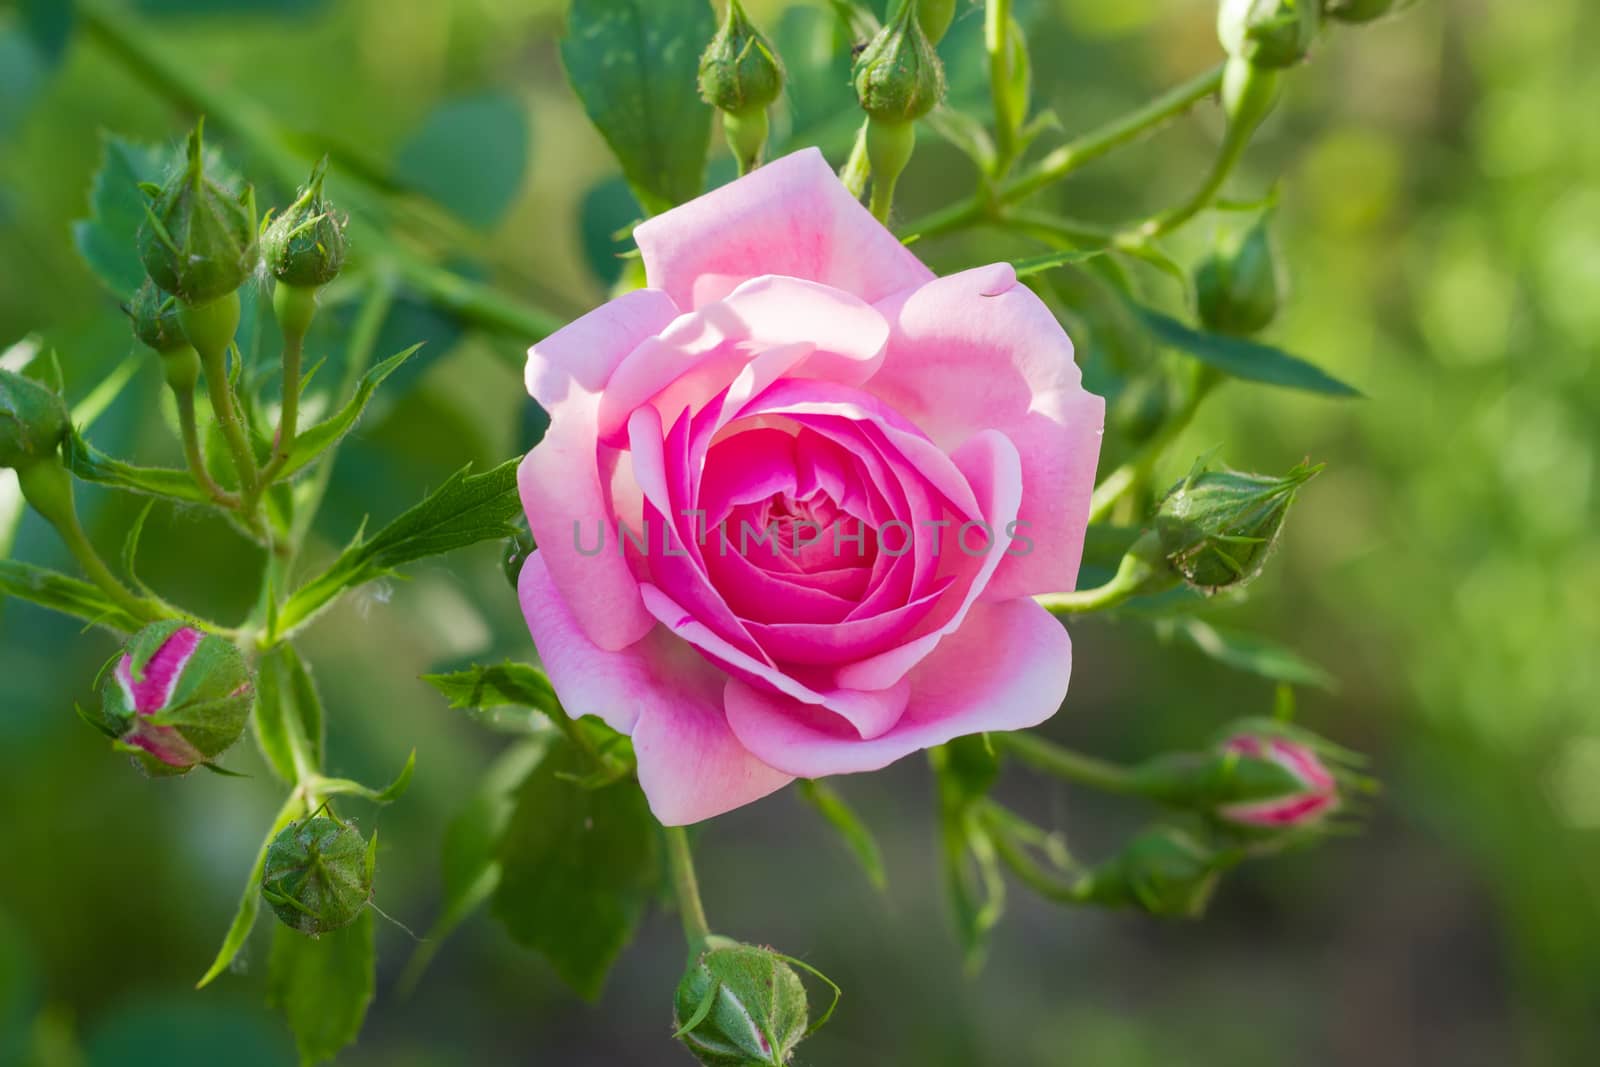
{"x":1440,"y":184}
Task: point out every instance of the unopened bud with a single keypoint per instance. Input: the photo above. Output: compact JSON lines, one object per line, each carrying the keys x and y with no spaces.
{"x":1309,"y":793}
{"x":177,"y":698}
{"x":33,"y":421}
{"x":156,"y":323}
{"x":740,"y":1005}
{"x":305,"y":246}
{"x":318,"y":874}
{"x":898,"y":76}
{"x":1268,"y":33}
{"x":1163,"y":871}
{"x":1217,"y":527}
{"x":739,"y":70}
{"x":1240,"y":285}
{"x":198,"y":240}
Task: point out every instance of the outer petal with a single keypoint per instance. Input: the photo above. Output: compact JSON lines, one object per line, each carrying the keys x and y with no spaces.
{"x":1006,"y":669}
{"x":791,"y":217}
{"x":978,"y":351}
{"x":581,"y":355}
{"x":661,"y":691}
{"x":564,"y":498}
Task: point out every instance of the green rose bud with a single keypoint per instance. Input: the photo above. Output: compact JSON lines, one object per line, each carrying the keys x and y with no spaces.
{"x":740,"y":75}
{"x":1241,"y":284}
{"x":1217,"y":527}
{"x":198,"y":240}
{"x":1163,"y":871}
{"x":177,"y":698}
{"x":899,"y":77}
{"x":33,"y":421}
{"x":740,"y":1005}
{"x":158,"y":324}
{"x":1269,"y":33}
{"x":305,"y":246}
{"x":318,"y":874}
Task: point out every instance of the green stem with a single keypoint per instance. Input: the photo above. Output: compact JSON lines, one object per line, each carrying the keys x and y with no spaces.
{"x":1142,"y":570}
{"x":1069,"y":157}
{"x":1054,"y":759}
{"x":189,"y":430}
{"x":997,"y":42}
{"x":1137,"y":470}
{"x":1033,"y":874}
{"x":473,"y":301}
{"x":680,"y":862}
{"x":289,"y":419}
{"x":215,"y":362}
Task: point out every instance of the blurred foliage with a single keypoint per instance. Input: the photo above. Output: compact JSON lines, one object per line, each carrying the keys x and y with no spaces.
{"x":1440,"y":215}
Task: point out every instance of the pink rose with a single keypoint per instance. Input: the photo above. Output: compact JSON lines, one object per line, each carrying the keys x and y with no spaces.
{"x":797,"y":495}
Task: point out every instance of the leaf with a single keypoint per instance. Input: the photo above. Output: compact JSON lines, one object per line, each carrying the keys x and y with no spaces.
{"x":1247,"y":652}
{"x":635,"y":64}
{"x":463,"y":511}
{"x":857,"y":835}
{"x":487,"y":692}
{"x":244,"y":919}
{"x":106,"y":239}
{"x":469,"y":155}
{"x":471,"y":857}
{"x":387,"y":795}
{"x":1038,"y":264}
{"x":311,"y":443}
{"x":1249,"y":360}
{"x":966,"y":134}
{"x":578,"y":868}
{"x":323,"y":985}
{"x":92,"y":465}
{"x":59,"y":592}
{"x":289,"y":718}
{"x":608,"y":211}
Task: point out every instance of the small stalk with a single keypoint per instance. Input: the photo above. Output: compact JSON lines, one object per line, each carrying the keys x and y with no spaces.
{"x":1054,"y":759}
{"x":680,"y":862}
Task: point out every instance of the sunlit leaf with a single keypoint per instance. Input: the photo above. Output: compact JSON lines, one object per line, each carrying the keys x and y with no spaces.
{"x":634,"y":64}
{"x":1240,"y":358}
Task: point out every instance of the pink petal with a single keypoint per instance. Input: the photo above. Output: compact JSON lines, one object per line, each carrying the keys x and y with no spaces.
{"x":1006,"y":668}
{"x":977,"y":351}
{"x":565,"y":500}
{"x":690,"y":765}
{"x":152,"y":690}
{"x":582,"y":355}
{"x":792,"y":217}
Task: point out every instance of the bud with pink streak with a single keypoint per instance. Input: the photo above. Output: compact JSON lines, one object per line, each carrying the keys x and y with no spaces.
{"x":176,"y":699}
{"x":1316,"y":796}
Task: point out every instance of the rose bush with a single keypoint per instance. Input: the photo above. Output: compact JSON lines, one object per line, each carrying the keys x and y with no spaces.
{"x":797,"y":494}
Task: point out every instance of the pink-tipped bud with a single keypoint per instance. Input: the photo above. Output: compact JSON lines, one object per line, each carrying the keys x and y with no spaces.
{"x":1316,"y":796}
{"x":177,"y":698}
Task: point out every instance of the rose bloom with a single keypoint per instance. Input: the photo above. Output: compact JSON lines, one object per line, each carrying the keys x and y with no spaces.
{"x":922,"y":447}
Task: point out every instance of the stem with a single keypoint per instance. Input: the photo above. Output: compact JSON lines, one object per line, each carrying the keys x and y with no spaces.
{"x":289,"y":420}
{"x":680,"y":861}
{"x":1051,"y":758}
{"x":1141,"y":571}
{"x":473,"y":301}
{"x":221,"y":392}
{"x":190,"y":431}
{"x":1070,"y":156}
{"x":997,"y":42}
{"x":1033,"y":874}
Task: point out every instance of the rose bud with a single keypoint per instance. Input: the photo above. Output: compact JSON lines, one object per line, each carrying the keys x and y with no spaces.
{"x":318,"y":874}
{"x":33,"y":421}
{"x":1268,"y":33}
{"x":198,"y":240}
{"x":898,"y":76}
{"x":305,"y":246}
{"x":1240,"y":285}
{"x":740,"y":1005}
{"x":740,"y":76}
{"x":1311,"y":793}
{"x":156,"y":323}
{"x":1163,"y":871}
{"x":177,"y":698}
{"x":1217,"y":527}
{"x":1361,"y":10}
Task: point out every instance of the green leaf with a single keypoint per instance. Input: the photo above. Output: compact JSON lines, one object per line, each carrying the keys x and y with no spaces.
{"x":969,"y":136}
{"x":244,"y":919}
{"x":578,"y":868}
{"x":608,"y":212}
{"x":465,"y":510}
{"x":471,"y":857}
{"x":58,"y":592}
{"x":635,"y":65}
{"x":289,"y":719}
{"x":857,"y":835}
{"x":106,"y":239}
{"x":92,"y":465}
{"x":490,"y":695}
{"x":469,"y":155}
{"x":1039,"y":264}
{"x":1249,"y":360}
{"x":1247,"y":652}
{"x":387,"y":795}
{"x":323,"y":985}
{"x":313,"y":442}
